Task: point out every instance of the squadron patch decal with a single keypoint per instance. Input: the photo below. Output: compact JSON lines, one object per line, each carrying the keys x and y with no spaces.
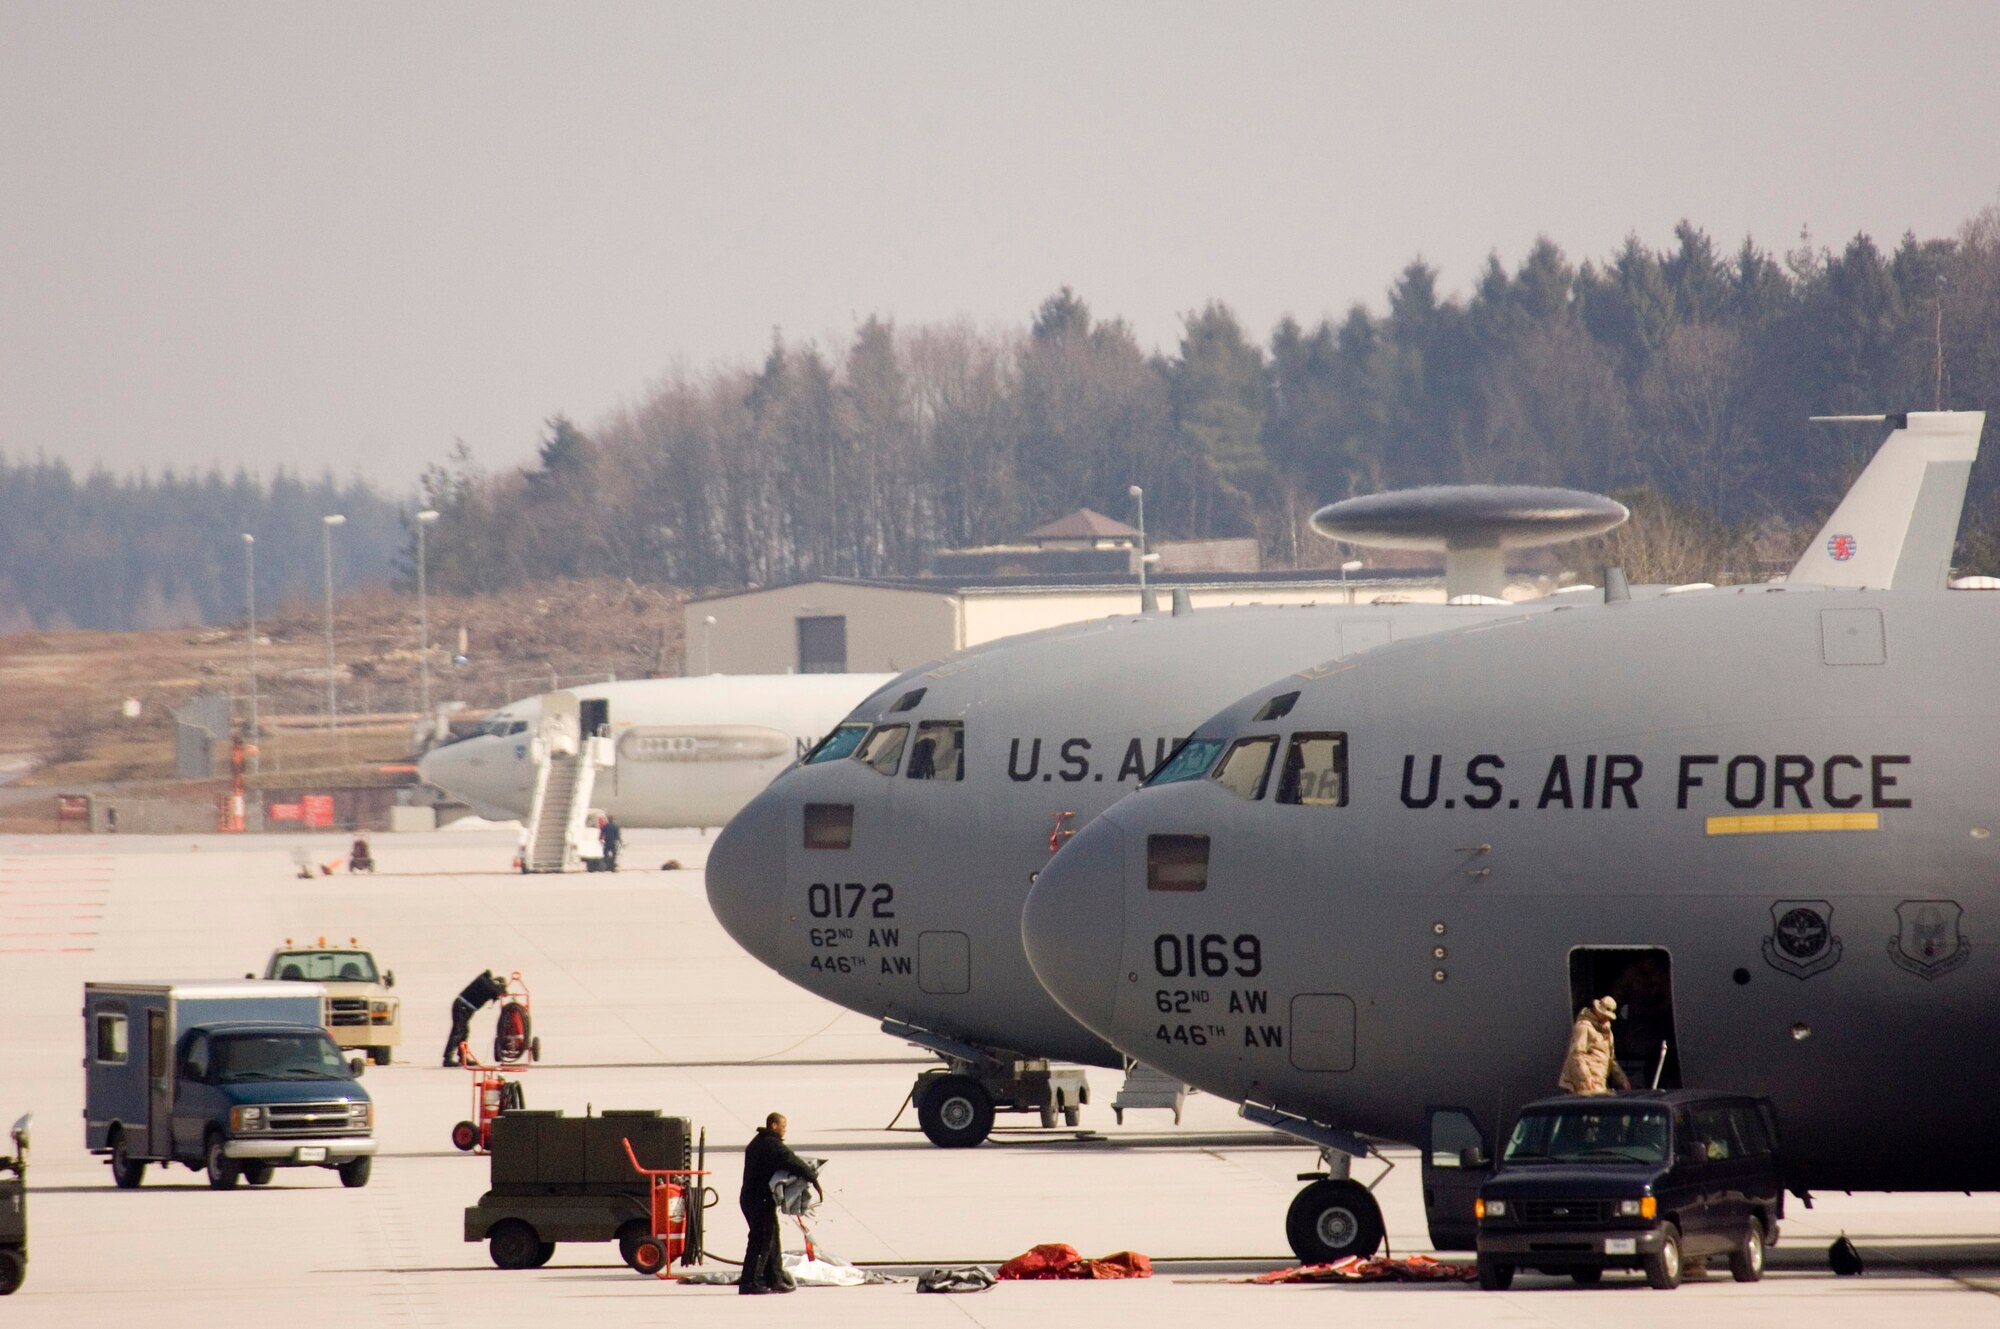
{"x":1802,"y":942}
{"x":1929,"y":942}
{"x":1840,"y":548}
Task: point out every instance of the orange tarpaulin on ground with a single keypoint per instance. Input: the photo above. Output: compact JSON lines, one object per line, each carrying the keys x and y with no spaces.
{"x":1376,"y":1269}
{"x":1059,"y":1261}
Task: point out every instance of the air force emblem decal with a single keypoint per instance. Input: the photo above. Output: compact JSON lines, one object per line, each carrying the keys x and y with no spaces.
{"x":1841,"y":548}
{"x":1928,"y":941}
{"x":1802,"y":942}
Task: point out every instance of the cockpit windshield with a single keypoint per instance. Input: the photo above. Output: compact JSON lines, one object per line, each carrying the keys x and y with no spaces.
{"x":840,"y":743}
{"x":1189,"y":761}
{"x":1590,"y":1135}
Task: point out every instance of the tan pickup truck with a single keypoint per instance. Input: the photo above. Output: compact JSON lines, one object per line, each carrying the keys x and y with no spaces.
{"x":360,"y":1013}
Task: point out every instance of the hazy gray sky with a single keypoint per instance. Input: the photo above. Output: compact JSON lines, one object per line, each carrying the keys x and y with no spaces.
{"x":346,"y":234}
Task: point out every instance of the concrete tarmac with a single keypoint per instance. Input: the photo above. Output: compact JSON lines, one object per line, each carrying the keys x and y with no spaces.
{"x":641,"y":1001}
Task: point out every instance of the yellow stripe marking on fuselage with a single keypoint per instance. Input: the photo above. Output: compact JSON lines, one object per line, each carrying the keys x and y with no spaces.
{"x":1781,"y":823}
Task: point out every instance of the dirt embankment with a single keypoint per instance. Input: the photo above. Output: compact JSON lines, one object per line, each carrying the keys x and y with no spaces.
{"x":68,"y":693}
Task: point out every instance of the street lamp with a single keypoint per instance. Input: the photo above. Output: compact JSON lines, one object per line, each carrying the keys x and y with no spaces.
{"x":1351,"y":565}
{"x":250,"y":595}
{"x":424,"y":518}
{"x":326,"y":525}
{"x":1136,"y":492}
{"x":707,"y":641}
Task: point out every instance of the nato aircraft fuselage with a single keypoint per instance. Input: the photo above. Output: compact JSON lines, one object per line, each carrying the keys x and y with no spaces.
{"x":1772,"y":810}
{"x":690,"y":751}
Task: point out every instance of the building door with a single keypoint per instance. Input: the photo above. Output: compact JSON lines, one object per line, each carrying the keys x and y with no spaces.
{"x":159,"y":1086}
{"x":823,"y":644}
{"x":1641,"y":980}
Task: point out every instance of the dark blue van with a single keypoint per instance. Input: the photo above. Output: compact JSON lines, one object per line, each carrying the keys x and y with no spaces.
{"x":236,"y":1079}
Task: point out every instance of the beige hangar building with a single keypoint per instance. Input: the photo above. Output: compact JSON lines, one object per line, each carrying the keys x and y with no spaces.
{"x":1082,"y":567}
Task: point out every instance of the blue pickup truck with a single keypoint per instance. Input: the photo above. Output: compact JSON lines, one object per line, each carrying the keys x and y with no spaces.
{"x":236,"y":1079}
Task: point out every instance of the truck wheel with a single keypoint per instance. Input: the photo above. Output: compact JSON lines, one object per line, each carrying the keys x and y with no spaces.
{"x":546,"y":1253}
{"x":126,"y":1170}
{"x":630,"y":1233}
{"x":354,"y":1172}
{"x":1495,"y":1276}
{"x":259,"y":1174}
{"x":513,"y":1244}
{"x":380,"y":1056}
{"x":464,"y":1136}
{"x":650,"y":1257}
{"x":955,"y":1111}
{"x":1746,"y":1262}
{"x":222,"y":1169}
{"x":1663,"y":1271}
{"x":1331,"y":1220}
{"x":13,"y":1268}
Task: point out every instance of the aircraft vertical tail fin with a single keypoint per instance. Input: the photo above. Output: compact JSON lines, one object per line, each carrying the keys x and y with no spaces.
{"x":1897,"y":526}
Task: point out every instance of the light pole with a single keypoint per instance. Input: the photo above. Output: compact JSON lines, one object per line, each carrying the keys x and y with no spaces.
{"x":250,"y":595}
{"x":424,"y":518}
{"x":1136,"y":492}
{"x":326,"y":525}
{"x":1351,"y":565}
{"x":707,"y":641}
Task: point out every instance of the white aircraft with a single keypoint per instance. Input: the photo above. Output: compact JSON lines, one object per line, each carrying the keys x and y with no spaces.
{"x":690,"y":751}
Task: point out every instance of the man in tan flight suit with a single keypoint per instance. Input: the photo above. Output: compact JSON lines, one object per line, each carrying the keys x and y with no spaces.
{"x":1589,"y":1067}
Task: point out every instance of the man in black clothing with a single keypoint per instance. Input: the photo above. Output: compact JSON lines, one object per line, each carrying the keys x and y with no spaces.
{"x":609,"y":835}
{"x":481,"y":991}
{"x":766,"y":1156}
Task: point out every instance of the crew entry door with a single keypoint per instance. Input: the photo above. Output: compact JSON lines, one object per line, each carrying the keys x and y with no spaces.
{"x":594,"y":716}
{"x":1641,"y":980}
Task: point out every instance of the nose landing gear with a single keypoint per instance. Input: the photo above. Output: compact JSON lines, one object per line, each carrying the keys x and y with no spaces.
{"x":1333,"y":1218}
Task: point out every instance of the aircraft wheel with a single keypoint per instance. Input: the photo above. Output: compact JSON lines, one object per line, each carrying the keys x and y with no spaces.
{"x":1048,"y":1118}
{"x":513,"y":1245}
{"x":1331,"y":1220}
{"x":1746,"y":1262}
{"x":126,"y":1170}
{"x":1071,"y":1116}
{"x":222,"y":1169}
{"x":1663,"y":1271}
{"x":955,"y":1111}
{"x":13,"y":1268}
{"x":1495,"y":1276}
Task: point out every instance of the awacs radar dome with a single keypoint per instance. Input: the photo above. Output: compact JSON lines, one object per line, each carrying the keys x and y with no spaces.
{"x":1472,"y":524}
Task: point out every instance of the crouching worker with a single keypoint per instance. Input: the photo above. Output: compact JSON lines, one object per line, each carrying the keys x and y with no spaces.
{"x":766,"y":1156}
{"x":1589,"y":1067}
{"x":481,"y":991}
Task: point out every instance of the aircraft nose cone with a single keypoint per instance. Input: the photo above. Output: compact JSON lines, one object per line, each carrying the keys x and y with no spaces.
{"x":746,"y":873}
{"x":1073,"y":925}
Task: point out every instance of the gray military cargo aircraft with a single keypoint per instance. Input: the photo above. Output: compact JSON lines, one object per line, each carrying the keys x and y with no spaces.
{"x":1368,"y":899}
{"x":891,"y":881}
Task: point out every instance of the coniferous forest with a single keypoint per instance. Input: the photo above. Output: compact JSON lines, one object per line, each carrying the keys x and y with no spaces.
{"x":1679,"y":378}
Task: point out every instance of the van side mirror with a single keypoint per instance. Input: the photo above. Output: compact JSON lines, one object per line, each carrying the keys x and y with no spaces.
{"x":356,"y":1066}
{"x":1472,"y":1158}
{"x":250,"y":976}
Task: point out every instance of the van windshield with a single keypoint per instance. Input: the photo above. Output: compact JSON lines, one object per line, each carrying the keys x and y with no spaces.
{"x":306,"y":1055}
{"x":1590,"y":1135}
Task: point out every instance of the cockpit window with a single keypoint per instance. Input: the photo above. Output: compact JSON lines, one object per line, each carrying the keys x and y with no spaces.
{"x":883,"y":748}
{"x":908,"y":701}
{"x":939,"y":751}
{"x":1315,"y":771}
{"x":1247,"y":767}
{"x":1189,"y":761}
{"x":840,"y":743}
